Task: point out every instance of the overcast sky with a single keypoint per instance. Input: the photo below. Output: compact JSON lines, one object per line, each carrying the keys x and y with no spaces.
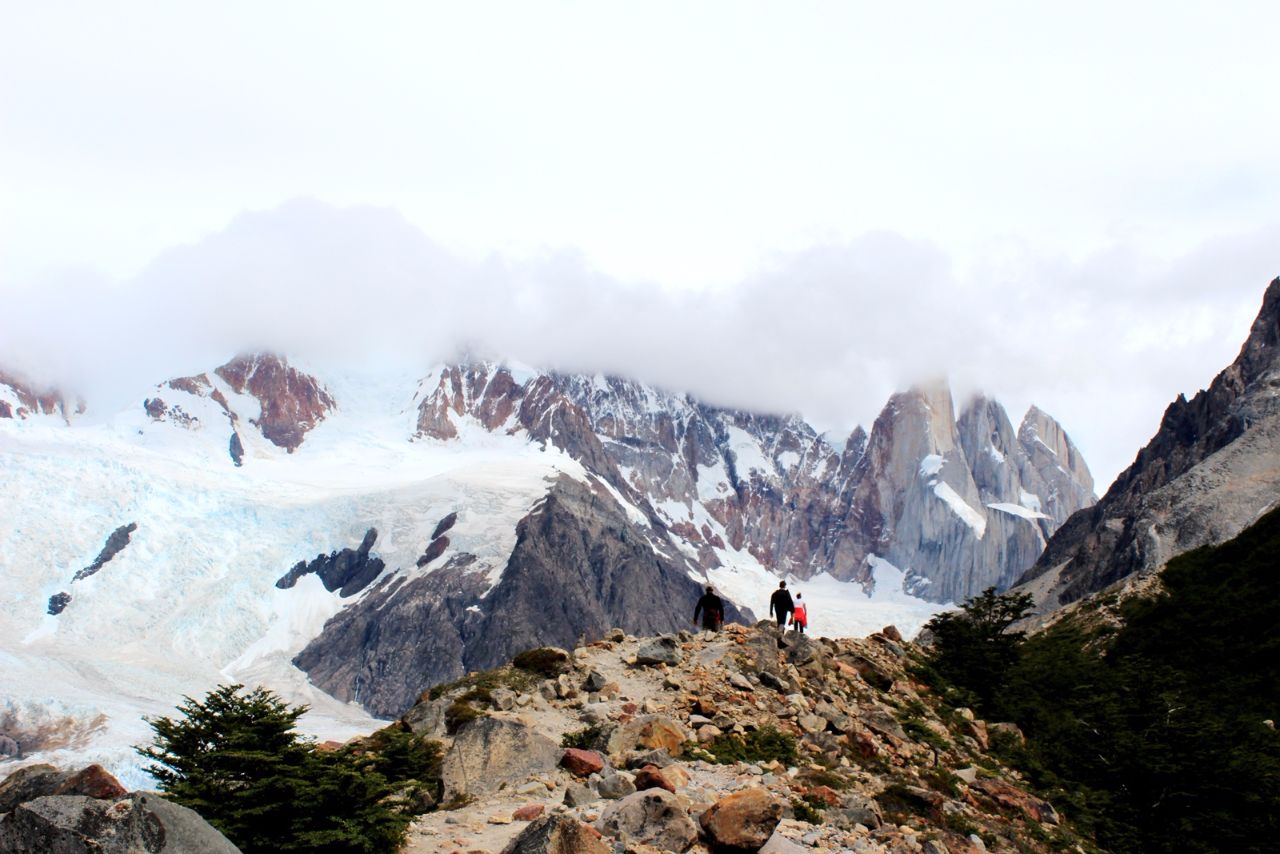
{"x":793,"y":206}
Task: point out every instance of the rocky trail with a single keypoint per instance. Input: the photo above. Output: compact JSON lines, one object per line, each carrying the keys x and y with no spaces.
{"x":835,"y":748}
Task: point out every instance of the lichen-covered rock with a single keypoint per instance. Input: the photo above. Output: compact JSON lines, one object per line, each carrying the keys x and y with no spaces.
{"x":77,"y":824}
{"x":652,"y":817}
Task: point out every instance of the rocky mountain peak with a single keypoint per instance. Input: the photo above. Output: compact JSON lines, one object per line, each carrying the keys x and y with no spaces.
{"x":260,"y":389}
{"x":21,"y":399}
{"x":292,"y":402}
{"x":1209,"y":470}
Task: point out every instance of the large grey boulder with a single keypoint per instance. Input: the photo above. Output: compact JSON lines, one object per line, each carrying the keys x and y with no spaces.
{"x":488,"y":752}
{"x":652,"y":817}
{"x":134,"y":824}
{"x":662,"y":650}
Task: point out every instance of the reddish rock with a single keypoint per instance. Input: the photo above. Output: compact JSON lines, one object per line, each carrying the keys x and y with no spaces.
{"x":92,"y":781}
{"x":198,"y":385}
{"x":1010,"y":797}
{"x":582,"y":763}
{"x":651,"y":777}
{"x":528,"y":812}
{"x":629,"y":708}
{"x":892,"y":633}
{"x":292,"y":402}
{"x":743,"y":821}
{"x":33,"y":400}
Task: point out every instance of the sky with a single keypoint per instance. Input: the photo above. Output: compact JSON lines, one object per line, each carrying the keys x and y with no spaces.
{"x":790,"y":207}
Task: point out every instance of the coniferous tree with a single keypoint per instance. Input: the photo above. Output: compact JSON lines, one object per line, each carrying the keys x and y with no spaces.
{"x":236,"y":759}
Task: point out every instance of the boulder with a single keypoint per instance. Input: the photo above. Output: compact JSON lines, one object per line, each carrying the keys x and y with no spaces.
{"x":743,"y":821}
{"x":27,"y":784}
{"x":582,"y":763}
{"x":658,"y":757}
{"x":488,"y":752}
{"x":652,"y":817}
{"x":660,"y":650}
{"x":578,"y":795}
{"x":892,"y":633}
{"x":857,"y":809}
{"x":71,"y":824}
{"x":614,"y":786}
{"x":528,"y":812}
{"x":1011,"y":797}
{"x":93,"y":781}
{"x":884,"y":723}
{"x":595,"y":682}
{"x":651,"y":777}
{"x":649,"y":732}
{"x":9,"y":747}
{"x":557,"y":834}
{"x":427,"y":718}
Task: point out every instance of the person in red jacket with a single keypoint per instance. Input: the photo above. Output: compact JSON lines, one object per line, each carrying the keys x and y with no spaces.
{"x":800,"y":616}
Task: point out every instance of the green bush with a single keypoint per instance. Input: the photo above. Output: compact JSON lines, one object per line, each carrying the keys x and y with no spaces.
{"x":806,"y":810}
{"x":587,"y":738}
{"x":1149,"y":737}
{"x":544,"y":661}
{"x":762,"y":745}
{"x":236,"y":759}
{"x":459,"y":713}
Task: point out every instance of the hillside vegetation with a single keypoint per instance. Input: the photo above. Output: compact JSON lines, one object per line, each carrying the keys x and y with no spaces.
{"x":1158,"y":734}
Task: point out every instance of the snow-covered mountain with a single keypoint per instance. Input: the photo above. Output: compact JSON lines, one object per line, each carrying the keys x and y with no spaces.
{"x":351,"y":540}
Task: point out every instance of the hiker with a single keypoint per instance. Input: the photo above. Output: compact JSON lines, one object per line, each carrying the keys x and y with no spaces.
{"x":780,"y":604}
{"x":712,"y":609}
{"x":800,"y":616}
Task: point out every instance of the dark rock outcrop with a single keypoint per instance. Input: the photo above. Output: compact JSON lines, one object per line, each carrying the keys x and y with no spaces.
{"x":58,"y":603}
{"x":348,"y":571}
{"x":580,"y":566}
{"x":1211,"y":469}
{"x":236,"y":449}
{"x":115,"y":544}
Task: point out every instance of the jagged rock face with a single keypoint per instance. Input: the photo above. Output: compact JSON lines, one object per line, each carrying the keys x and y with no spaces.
{"x":579,"y":567}
{"x":1211,"y":469}
{"x":21,"y":399}
{"x":948,"y":500}
{"x":281,"y":401}
{"x":721,"y":480}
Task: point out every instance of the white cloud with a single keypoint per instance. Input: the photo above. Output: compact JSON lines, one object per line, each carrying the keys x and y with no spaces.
{"x":829,"y":331}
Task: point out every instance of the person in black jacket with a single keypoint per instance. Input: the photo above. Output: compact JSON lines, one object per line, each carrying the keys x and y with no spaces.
{"x":712,"y":609}
{"x":780,"y":604}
